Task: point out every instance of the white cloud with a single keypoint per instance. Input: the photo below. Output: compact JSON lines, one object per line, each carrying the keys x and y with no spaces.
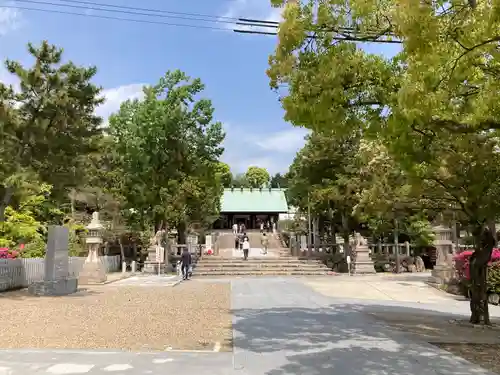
{"x":244,"y":147}
{"x":254,"y":9}
{"x":284,"y":141}
{"x":10,"y":19}
{"x":116,"y":96}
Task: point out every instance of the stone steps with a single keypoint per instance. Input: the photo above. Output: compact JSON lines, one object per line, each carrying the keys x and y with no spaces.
{"x":290,"y":260}
{"x":234,"y":266}
{"x":217,"y":266}
{"x":259,"y":273}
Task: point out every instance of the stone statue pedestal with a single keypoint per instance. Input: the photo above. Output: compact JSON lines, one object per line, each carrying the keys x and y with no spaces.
{"x":155,"y":262}
{"x":363,"y":263}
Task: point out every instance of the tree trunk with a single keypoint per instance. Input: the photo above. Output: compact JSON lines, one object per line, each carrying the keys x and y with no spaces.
{"x":345,"y":235}
{"x":122,"y":251}
{"x":7,"y":196}
{"x":181,"y":233}
{"x":485,"y":242}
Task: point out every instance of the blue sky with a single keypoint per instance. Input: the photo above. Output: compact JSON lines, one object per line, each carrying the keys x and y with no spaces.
{"x":128,"y":55}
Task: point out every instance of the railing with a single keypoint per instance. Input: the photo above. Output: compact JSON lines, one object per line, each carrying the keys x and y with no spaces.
{"x":20,"y":273}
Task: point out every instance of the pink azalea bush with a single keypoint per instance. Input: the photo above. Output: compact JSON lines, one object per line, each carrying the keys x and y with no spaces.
{"x":5,"y":253}
{"x":462,"y":262}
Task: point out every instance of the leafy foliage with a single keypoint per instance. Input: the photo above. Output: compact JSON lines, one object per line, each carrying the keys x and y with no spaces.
{"x":168,"y":150}
{"x":257,"y":177}
{"x":432,"y":106}
{"x":47,"y":125}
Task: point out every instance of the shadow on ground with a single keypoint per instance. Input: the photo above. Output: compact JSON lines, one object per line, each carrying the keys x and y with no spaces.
{"x":340,"y":339}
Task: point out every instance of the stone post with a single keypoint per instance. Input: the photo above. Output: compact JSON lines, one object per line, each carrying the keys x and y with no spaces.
{"x":57,"y":280}
{"x":443,"y":271}
{"x":93,"y":271}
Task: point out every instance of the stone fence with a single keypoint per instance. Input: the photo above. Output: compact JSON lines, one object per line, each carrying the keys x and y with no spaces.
{"x":19,"y":273}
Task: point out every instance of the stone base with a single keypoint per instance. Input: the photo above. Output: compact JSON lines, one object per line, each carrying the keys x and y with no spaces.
{"x":363,"y":268}
{"x":152,"y":268}
{"x":442,"y":275}
{"x":61,"y":287}
{"x":363,"y":263}
{"x":92,"y":273}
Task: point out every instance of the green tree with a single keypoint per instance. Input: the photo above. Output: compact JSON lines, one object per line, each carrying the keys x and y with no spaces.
{"x":48,"y":126}
{"x":257,"y":177}
{"x":225,"y":175}
{"x":279,"y":181}
{"x":323,"y":176}
{"x":433,"y":105}
{"x":240,"y":181}
{"x":168,"y":149}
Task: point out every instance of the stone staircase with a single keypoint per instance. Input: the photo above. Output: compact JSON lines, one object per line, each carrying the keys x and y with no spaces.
{"x":277,"y":262}
{"x":258,"y":266}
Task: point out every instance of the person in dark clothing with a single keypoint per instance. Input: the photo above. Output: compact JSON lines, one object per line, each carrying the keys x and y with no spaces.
{"x":186,"y":260}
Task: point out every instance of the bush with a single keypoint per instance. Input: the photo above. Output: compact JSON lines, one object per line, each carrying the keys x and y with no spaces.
{"x":34,"y":249}
{"x":462,"y":262}
{"x":6,"y":253}
{"x":462,"y":269}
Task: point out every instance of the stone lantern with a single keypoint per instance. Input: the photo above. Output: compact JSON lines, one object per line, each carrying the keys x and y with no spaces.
{"x":93,"y":270}
{"x":443,"y":271}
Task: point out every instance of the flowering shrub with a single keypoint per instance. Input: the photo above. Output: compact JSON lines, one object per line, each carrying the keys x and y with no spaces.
{"x":462,"y":262}
{"x":5,"y":253}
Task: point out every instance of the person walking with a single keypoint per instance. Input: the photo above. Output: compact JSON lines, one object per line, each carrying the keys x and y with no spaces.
{"x":236,"y":241}
{"x":186,"y":260}
{"x":246,"y":248}
{"x":235,"y":228}
{"x":264,"y":241}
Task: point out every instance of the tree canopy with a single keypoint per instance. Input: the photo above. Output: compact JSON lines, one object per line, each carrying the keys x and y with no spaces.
{"x":157,"y":164}
{"x":431,"y":106}
{"x":168,"y":147}
{"x":257,"y":177}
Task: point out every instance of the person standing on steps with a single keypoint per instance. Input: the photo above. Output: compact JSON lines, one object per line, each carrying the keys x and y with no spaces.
{"x":186,"y":260}
{"x":246,"y":248}
{"x":264,"y":241}
{"x":236,"y":241}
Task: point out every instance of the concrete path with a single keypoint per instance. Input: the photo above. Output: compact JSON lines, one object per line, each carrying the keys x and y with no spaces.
{"x":281,"y":326}
{"x":402,"y":288}
{"x":149,"y":280}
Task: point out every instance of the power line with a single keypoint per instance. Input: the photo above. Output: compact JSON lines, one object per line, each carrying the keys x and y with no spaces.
{"x":153,"y":10}
{"x":113,"y":18}
{"x":136,"y":11}
{"x":343,"y":33}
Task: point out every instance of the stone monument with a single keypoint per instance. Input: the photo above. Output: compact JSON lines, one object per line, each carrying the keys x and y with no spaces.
{"x":57,"y":281}
{"x":443,"y":271}
{"x":93,"y":271}
{"x":156,"y":260}
{"x":363,"y":263}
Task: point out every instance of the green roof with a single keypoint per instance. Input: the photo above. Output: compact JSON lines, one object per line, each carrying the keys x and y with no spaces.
{"x":254,"y":200}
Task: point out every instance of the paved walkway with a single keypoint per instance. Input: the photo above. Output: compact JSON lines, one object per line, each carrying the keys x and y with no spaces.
{"x":281,"y":327}
{"x":380,"y":287}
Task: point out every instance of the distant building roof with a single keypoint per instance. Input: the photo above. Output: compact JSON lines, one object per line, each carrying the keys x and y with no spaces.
{"x":254,"y":200}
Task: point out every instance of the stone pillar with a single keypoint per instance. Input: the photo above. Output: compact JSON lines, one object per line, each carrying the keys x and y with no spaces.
{"x":56,"y":281}
{"x":93,"y":271}
{"x":443,"y":271}
{"x":363,"y":263}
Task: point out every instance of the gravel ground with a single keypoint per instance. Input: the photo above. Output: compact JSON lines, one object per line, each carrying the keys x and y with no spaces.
{"x":190,"y":316}
{"x":484,"y":355}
